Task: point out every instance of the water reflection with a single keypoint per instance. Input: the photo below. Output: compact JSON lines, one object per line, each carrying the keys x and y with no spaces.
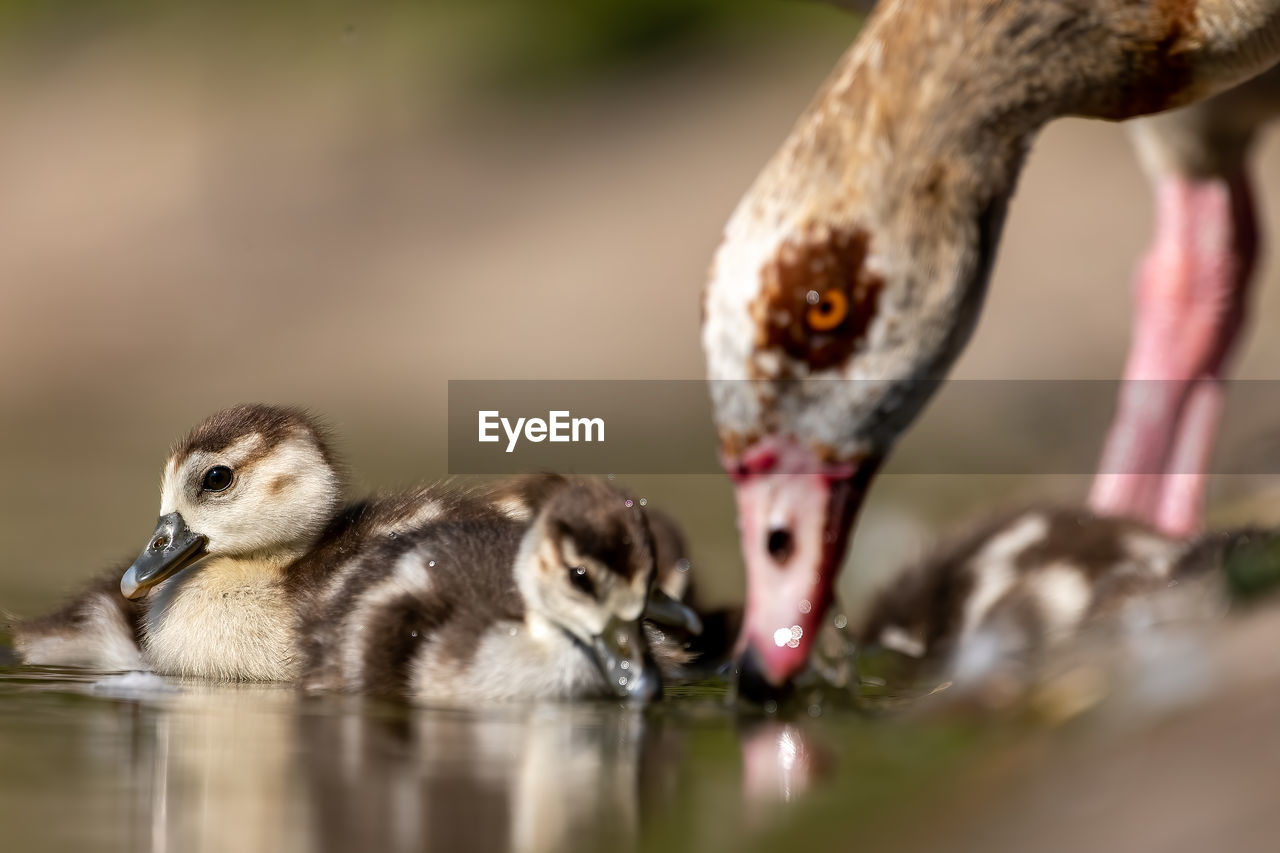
{"x":781,"y":761}
{"x":548,"y":778}
{"x":140,"y":763}
{"x":211,"y":768}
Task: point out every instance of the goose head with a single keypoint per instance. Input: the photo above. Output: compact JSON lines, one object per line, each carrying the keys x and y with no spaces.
{"x":852,"y":273}
{"x":252,"y":481}
{"x":585,"y":566}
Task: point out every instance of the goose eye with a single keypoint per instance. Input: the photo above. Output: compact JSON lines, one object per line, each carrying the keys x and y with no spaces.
{"x":826,"y":310}
{"x":579,"y":578}
{"x":217,"y":479}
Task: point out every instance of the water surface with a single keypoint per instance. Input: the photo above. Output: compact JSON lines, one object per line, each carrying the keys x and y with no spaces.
{"x":135,"y":762}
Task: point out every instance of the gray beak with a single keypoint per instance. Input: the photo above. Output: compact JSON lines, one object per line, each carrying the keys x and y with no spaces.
{"x":624,"y":659}
{"x":668,"y":612}
{"x":172,"y":548}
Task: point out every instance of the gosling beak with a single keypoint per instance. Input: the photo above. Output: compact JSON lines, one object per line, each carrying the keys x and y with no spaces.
{"x":172,"y":548}
{"x":795,"y":513}
{"x":668,"y":612}
{"x":624,"y":659}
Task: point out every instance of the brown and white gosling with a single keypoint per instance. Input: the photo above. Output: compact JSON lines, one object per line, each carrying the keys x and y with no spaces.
{"x":1027,"y":584}
{"x":479,"y":610}
{"x":254,"y":549}
{"x":689,"y":637}
{"x":670,"y":600}
{"x":253,"y":536}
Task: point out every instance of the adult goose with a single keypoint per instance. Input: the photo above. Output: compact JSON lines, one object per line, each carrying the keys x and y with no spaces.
{"x":862,"y":251}
{"x":1191,"y":295}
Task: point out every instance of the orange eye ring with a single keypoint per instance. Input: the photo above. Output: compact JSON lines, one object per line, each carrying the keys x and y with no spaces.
{"x":828,"y":312}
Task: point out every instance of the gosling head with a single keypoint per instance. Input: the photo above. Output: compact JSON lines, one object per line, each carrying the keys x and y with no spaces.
{"x":586,"y":565}
{"x":252,"y":480}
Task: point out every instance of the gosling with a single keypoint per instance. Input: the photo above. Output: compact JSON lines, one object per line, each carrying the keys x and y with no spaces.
{"x":497,"y":609}
{"x":253,"y":536}
{"x":1009,"y":593}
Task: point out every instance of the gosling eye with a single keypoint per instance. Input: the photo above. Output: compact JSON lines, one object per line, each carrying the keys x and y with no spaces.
{"x":217,"y":479}
{"x":579,"y":578}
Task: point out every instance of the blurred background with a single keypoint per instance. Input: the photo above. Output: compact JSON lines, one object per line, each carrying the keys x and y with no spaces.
{"x":344,"y":205}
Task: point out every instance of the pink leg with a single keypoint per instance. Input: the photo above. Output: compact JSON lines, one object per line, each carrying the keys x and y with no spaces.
{"x":1190,"y":307}
{"x":1183,"y":487}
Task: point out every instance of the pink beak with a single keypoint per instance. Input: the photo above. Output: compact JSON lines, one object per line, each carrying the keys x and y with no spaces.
{"x":795,"y":513}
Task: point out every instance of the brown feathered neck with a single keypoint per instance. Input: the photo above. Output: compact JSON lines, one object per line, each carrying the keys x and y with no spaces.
{"x":887,"y":199}
{"x":943,"y":96}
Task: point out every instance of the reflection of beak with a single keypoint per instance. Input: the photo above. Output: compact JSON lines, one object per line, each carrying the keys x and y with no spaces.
{"x":666,"y":611}
{"x":781,"y":762}
{"x":624,"y":659}
{"x":795,"y":513}
{"x":172,"y":548}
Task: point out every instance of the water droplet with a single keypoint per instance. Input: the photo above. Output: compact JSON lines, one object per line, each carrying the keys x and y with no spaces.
{"x":781,"y":637}
{"x":812,"y":297}
{"x":626,"y":664}
{"x":610,"y":476}
{"x":431,"y":564}
{"x":413,"y":634}
{"x":622,"y":680}
{"x":841,"y":621}
{"x":815,"y":710}
{"x":683,"y":565}
{"x":805,"y":606}
{"x":513,"y":630}
{"x":644,"y":502}
{"x":796,"y":632}
{"x":627,"y":502}
{"x":793,"y":637}
{"x":771,"y":707}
